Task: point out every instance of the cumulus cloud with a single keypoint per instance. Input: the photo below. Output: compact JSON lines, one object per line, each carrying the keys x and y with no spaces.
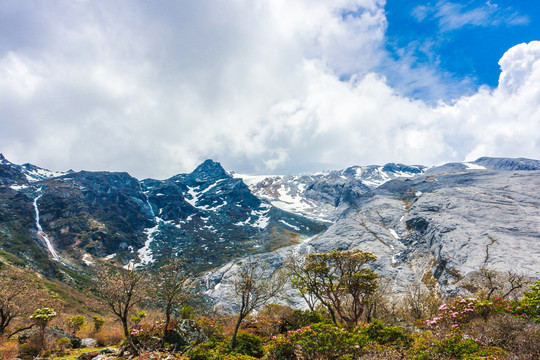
{"x":271,"y":86}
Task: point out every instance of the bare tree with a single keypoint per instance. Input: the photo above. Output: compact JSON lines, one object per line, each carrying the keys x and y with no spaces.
{"x":170,"y":283}
{"x":254,"y":285}
{"x":18,"y":295}
{"x":489,"y":283}
{"x":123,"y":290}
{"x":419,"y":302}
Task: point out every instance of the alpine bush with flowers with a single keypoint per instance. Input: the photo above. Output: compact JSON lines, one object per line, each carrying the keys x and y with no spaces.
{"x":147,"y":336}
{"x":456,"y":346}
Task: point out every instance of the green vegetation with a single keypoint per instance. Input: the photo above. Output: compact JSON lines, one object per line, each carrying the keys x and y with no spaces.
{"x":412,"y":328}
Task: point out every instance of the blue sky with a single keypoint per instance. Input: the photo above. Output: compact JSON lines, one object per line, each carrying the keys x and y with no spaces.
{"x":463,"y":39}
{"x":267,"y":86}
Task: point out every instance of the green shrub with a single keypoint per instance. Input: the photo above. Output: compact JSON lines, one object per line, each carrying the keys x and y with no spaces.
{"x":63,"y":343}
{"x":203,"y":352}
{"x":530,"y":304}
{"x":74,"y":323}
{"x":281,"y":349}
{"x":318,"y":341}
{"x":98,"y":322}
{"x":300,"y":319}
{"x":378,"y":332}
{"x":249,"y":344}
{"x":453,"y":347}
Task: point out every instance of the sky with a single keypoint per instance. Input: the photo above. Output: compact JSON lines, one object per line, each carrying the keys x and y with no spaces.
{"x":266,"y":86}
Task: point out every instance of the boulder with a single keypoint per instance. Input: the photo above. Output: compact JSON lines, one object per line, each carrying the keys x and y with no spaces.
{"x":89,"y":342}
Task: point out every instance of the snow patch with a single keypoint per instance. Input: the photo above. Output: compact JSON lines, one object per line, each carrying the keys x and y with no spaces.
{"x":18,"y":187}
{"x":87,"y":259}
{"x":289,"y":225}
{"x":394,"y":234}
{"x":471,"y":166}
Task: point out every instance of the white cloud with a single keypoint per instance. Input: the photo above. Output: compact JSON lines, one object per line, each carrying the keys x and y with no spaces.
{"x":153,"y":90}
{"x":452,"y":15}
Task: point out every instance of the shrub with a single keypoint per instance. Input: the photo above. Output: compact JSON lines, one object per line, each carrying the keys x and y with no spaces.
{"x":531,"y":302}
{"x":137,"y":318}
{"x":378,"y":332}
{"x":281,"y":349}
{"x":301,"y":319}
{"x":453,"y":347}
{"x":249,"y":344}
{"x":31,"y":348}
{"x":98,"y":322}
{"x":8,"y":349}
{"x":511,"y":333}
{"x":63,"y":343}
{"x":147,"y":336}
{"x":212,"y":327}
{"x":75,"y":323}
{"x":109,"y":335}
{"x":318,"y":341}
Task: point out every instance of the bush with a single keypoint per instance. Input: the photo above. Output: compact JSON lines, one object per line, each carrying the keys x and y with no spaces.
{"x":63,"y":343}
{"x":98,"y":322}
{"x":249,"y":344}
{"x":75,"y":323}
{"x":31,"y":348}
{"x":301,"y":319}
{"x":318,"y":341}
{"x":453,"y":347}
{"x":511,"y":333}
{"x":147,"y":336}
{"x":378,"y":332}
{"x":109,"y":335}
{"x":213,"y":328}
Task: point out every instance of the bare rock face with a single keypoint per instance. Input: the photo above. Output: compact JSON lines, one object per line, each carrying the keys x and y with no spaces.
{"x":439,"y":227}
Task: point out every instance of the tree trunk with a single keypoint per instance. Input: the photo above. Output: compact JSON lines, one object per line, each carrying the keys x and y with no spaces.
{"x":233,"y":340}
{"x":130,"y":343}
{"x":166,"y":328}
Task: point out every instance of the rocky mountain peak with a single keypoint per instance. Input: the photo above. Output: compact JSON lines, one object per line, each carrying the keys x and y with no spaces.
{"x":209,"y":170}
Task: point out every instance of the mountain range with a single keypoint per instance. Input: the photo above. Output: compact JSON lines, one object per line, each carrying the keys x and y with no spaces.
{"x":438,"y":225}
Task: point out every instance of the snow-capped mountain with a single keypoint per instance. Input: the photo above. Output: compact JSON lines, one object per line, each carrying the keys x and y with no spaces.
{"x":438,"y":228}
{"x":435,"y":225}
{"x":31,"y":172}
{"x":319,"y":195}
{"x":76,"y":217}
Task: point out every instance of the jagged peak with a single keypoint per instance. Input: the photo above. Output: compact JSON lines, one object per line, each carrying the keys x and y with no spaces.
{"x":210,"y":169}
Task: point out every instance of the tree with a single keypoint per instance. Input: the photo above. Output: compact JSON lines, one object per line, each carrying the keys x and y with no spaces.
{"x":254,"y":285}
{"x":171,"y":280}
{"x":340,"y":281}
{"x":419,"y":302}
{"x":18,"y":294}
{"x":123,"y":290}
{"x":42,"y":317}
{"x":300,"y":279}
{"x":488,"y":283}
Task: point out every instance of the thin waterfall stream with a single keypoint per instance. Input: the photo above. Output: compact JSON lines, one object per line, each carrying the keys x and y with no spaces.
{"x":41,"y":235}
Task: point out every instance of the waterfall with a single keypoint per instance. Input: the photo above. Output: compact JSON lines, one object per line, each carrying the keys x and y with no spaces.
{"x":41,"y":235}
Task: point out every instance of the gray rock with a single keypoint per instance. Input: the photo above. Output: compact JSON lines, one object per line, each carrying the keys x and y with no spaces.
{"x":445,"y":226}
{"x":89,"y":342}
